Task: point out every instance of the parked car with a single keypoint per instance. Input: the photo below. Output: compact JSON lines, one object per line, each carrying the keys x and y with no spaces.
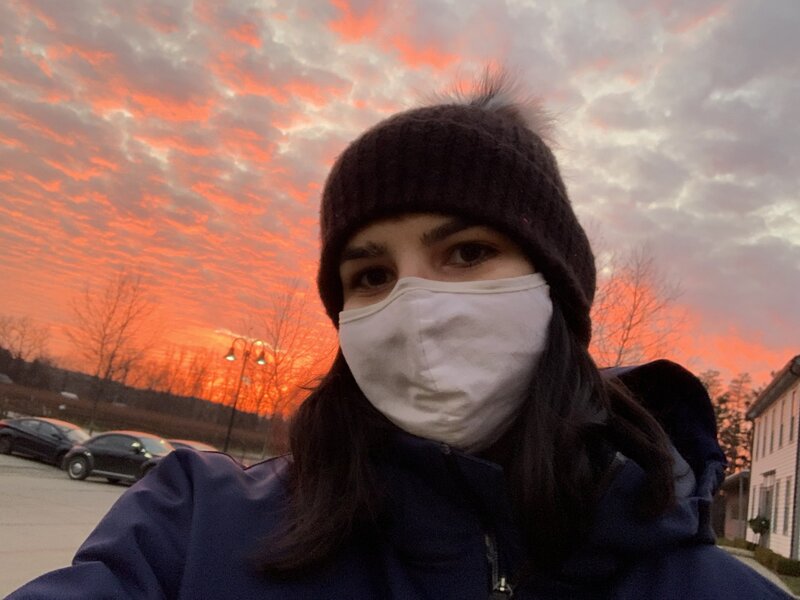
{"x":48,"y":440}
{"x":193,"y":445}
{"x":116,"y":455}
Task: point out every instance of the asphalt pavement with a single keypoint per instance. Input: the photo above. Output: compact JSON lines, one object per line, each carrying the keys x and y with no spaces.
{"x":44,"y":517}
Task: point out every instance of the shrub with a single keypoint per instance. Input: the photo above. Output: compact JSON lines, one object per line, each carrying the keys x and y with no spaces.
{"x":759,"y":525}
{"x":775,"y":562}
{"x":787,"y":566}
{"x":766,"y":557}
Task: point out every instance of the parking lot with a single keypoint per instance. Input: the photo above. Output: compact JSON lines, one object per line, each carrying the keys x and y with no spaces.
{"x":44,"y":517}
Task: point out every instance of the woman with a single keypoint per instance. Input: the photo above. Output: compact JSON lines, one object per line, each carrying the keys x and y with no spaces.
{"x":463,"y":445}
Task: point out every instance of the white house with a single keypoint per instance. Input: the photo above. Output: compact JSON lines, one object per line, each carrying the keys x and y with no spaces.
{"x":776,"y":461}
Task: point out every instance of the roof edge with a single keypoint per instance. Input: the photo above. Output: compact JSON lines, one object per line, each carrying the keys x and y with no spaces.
{"x":779,"y":384}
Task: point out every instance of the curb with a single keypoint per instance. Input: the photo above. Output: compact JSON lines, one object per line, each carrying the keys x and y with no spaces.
{"x":739,"y":551}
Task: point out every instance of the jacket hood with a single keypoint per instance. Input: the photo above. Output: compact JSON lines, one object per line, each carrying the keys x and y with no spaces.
{"x":680,"y":403}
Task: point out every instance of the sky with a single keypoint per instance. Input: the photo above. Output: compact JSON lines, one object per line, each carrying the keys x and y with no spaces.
{"x":189,"y":140}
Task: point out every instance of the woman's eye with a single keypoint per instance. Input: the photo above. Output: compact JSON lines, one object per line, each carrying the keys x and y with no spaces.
{"x":371,"y":278}
{"x":471,"y":253}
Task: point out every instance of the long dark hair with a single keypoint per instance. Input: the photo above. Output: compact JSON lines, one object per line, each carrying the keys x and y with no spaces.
{"x":571,"y":423}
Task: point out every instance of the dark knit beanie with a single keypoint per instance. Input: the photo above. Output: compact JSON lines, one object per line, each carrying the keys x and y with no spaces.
{"x":480,"y":164}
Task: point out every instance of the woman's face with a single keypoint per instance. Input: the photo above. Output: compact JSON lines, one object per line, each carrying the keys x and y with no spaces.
{"x":429,"y":246}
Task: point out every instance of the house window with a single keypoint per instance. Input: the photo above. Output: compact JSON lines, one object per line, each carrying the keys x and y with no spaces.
{"x":756,"y":437}
{"x":780,"y":431}
{"x":786,"y":502}
{"x":753,"y":511}
{"x":777,"y":499}
{"x":772,"y":429}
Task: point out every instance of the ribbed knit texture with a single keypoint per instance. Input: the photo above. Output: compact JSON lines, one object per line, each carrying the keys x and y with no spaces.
{"x":483,"y":166}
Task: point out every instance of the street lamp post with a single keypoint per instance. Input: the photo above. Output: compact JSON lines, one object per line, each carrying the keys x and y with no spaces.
{"x":248,"y":346}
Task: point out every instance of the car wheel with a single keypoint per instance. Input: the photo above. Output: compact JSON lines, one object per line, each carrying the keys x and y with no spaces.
{"x":77,"y":468}
{"x":112,"y":480}
{"x":5,"y":445}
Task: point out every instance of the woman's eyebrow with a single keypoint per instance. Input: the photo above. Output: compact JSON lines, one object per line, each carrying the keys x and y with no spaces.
{"x":368,"y":250}
{"x":443,"y":231}
{"x":435,"y":235}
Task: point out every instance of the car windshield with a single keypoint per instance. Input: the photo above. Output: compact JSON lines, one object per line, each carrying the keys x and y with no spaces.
{"x":156,"y":445}
{"x":76,"y":435}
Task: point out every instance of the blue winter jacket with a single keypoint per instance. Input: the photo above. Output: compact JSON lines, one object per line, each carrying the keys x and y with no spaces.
{"x":189,"y":529}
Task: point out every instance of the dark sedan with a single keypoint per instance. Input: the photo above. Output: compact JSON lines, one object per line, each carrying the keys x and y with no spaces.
{"x":116,"y":455}
{"x":193,"y":445}
{"x":48,"y":440}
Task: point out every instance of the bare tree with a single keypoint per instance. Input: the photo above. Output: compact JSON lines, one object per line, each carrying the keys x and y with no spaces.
{"x":634,"y":317}
{"x":23,"y":338}
{"x":113,"y":329}
{"x":297,"y":348}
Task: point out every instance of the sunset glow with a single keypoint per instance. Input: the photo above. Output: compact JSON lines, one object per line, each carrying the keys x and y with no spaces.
{"x":188,"y":141}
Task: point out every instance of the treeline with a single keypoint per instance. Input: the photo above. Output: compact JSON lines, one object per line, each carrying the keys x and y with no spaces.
{"x":39,"y":383}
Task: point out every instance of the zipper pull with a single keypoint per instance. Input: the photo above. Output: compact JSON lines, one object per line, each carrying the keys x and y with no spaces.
{"x":502,"y":590}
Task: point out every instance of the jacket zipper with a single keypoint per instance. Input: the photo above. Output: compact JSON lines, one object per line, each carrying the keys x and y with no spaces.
{"x":500,"y":588}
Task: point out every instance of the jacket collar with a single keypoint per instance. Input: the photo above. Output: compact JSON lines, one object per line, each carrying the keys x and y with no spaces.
{"x":680,"y":403}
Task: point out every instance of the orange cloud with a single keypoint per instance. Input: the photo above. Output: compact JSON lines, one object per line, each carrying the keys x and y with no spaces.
{"x":247,"y":34}
{"x":248,"y":145}
{"x":353,"y":27}
{"x":168,"y":109}
{"x":174,"y":142}
{"x":157,"y":16}
{"x":9,"y":141}
{"x":93,"y":196}
{"x":47,"y":20}
{"x":415,"y":55}
{"x":227,"y":67}
{"x":226,"y":199}
{"x":74,"y":170}
{"x":93,"y":56}
{"x":53,"y":185}
{"x":693,"y":22}
{"x":102,"y":162}
{"x":317,"y":95}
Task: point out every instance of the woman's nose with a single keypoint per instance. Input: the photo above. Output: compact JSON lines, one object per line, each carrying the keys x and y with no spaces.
{"x":415,"y":266}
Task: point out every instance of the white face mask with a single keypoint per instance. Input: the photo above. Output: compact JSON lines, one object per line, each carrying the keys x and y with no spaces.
{"x":448,"y":361}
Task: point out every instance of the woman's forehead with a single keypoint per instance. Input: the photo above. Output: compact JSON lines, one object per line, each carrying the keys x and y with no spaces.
{"x":407,"y":223}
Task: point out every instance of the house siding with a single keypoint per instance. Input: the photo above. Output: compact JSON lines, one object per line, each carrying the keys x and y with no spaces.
{"x":774,"y":472}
